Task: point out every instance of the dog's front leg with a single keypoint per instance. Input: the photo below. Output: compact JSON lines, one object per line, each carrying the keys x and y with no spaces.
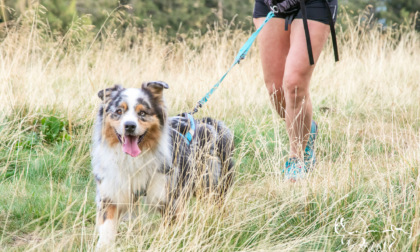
{"x":107,"y":224}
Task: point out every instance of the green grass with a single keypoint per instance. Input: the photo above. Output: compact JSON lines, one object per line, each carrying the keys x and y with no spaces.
{"x":47,"y":189}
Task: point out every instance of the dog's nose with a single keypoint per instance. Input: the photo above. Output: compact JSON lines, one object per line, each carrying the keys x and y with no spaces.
{"x":130,"y":127}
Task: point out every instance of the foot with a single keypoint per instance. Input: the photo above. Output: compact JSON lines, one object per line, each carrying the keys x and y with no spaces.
{"x":294,"y":169}
{"x":309,"y":157}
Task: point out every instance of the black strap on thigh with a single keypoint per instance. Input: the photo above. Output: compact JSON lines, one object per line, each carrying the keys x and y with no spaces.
{"x":289,"y":19}
{"x":333,"y":36}
{"x":305,"y":27}
{"x":287,"y":22}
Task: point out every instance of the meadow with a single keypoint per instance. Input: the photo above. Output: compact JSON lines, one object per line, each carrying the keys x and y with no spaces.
{"x":364,"y":194}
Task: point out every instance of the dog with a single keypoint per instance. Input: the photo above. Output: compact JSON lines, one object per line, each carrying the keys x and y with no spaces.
{"x":138,"y":151}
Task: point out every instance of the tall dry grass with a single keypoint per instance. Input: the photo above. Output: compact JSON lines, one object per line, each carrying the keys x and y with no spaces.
{"x":364,"y":193}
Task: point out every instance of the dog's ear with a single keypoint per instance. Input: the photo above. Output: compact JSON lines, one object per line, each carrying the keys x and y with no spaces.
{"x":155,"y":87}
{"x":106,"y":94}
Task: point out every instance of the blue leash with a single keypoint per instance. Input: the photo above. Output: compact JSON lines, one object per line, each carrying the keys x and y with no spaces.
{"x":241,"y":55}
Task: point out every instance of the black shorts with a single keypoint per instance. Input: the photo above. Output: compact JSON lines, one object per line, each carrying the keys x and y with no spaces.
{"x":315,"y":10}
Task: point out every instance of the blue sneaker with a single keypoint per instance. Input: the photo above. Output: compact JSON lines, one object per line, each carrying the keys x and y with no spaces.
{"x":309,"y":157}
{"x":294,"y":169}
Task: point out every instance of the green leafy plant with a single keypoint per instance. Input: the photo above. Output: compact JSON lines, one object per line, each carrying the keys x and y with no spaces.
{"x":53,"y":129}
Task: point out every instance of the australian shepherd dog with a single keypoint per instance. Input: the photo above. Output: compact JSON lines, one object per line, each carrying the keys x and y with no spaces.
{"x":138,"y":151}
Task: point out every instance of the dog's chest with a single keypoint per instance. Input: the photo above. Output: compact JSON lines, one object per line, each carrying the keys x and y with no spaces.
{"x":123,"y":178}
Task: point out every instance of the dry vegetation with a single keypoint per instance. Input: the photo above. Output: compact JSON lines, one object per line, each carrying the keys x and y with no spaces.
{"x":363,"y":195}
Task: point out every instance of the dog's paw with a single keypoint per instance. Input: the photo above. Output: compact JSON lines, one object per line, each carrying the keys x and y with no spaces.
{"x":104,"y":245}
{"x":107,"y":235}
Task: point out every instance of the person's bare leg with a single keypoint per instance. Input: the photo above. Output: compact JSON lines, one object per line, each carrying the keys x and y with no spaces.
{"x":296,"y":82}
{"x":274,"y":43}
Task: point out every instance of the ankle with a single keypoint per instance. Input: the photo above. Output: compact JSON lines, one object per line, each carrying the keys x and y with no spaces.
{"x":294,"y":155}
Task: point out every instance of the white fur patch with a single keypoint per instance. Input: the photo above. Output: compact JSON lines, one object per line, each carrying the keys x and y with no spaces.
{"x":123,"y":176}
{"x":107,"y":234}
{"x":131,"y":96}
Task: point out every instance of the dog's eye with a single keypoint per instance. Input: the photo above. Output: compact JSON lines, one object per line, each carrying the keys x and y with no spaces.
{"x":142,"y":113}
{"x":119,"y":111}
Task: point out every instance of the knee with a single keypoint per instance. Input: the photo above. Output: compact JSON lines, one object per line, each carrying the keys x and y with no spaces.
{"x":273,"y":86}
{"x":295,"y":88}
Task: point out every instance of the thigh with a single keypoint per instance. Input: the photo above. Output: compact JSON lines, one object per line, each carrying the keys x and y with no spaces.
{"x":274,"y":43}
{"x":297,"y":62}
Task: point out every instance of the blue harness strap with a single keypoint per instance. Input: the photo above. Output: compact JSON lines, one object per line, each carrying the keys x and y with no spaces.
{"x":188,"y":137}
{"x":241,"y":55}
{"x":191,"y":132}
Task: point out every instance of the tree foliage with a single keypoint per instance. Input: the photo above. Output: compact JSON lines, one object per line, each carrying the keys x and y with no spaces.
{"x":388,"y":11}
{"x":182,"y":16}
{"x":402,"y":10}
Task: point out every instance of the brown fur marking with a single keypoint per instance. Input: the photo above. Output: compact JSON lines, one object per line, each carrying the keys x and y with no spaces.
{"x":153,"y":134}
{"x":111,"y":211}
{"x":108,"y":131}
{"x":108,"y":212}
{"x":124,"y":106}
{"x":157,"y":93}
{"x":139,"y":108}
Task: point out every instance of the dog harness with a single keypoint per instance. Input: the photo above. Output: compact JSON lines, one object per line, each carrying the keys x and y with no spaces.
{"x":188,"y":137}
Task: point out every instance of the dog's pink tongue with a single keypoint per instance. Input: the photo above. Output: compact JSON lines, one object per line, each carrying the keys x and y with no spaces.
{"x":130,"y":146}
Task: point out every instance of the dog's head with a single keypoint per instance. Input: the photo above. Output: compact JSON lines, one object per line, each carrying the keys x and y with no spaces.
{"x":133,"y":117}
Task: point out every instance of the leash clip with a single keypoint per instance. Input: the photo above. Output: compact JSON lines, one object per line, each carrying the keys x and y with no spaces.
{"x":195,"y":110}
{"x":274,"y":9}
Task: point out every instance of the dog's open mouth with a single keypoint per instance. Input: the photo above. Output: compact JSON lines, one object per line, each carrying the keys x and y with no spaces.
{"x":130,"y":143}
